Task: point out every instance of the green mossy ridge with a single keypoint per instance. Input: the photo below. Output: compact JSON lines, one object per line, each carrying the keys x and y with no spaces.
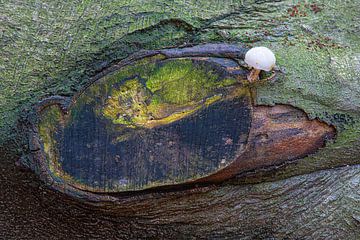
{"x":313,"y":84}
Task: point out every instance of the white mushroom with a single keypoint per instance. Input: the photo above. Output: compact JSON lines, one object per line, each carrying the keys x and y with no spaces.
{"x":260,"y":58}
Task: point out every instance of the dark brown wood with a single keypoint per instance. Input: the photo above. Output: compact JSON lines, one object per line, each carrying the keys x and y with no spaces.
{"x":278,"y":134}
{"x":278,"y":210}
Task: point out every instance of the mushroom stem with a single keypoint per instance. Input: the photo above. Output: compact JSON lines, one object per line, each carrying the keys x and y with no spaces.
{"x":254,"y":75}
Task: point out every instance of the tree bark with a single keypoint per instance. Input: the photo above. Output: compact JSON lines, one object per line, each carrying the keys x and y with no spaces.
{"x":320,"y":205}
{"x":54,"y":48}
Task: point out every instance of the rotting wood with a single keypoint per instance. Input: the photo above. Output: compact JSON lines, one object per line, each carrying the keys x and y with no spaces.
{"x":277,"y":134}
{"x":54,"y":47}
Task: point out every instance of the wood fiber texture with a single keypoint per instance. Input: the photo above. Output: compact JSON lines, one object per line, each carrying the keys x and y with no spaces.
{"x":55,"y":47}
{"x":320,"y":205}
{"x":166,"y":121}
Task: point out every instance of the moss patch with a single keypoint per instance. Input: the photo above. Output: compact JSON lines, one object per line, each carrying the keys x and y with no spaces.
{"x":127,"y":105}
{"x":160,"y":93}
{"x":181,"y":82}
{"x":318,"y":51}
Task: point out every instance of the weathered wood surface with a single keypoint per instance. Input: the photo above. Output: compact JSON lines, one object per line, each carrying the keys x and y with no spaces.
{"x":279,"y":135}
{"x":54,"y":47}
{"x":164,"y":121}
{"x":154,"y":122}
{"x":321,"y":205}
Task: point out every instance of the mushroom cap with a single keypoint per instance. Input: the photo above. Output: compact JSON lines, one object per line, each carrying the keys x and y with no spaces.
{"x":260,"y":58}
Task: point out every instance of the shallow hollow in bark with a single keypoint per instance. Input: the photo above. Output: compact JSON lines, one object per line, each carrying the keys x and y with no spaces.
{"x":166,"y":120}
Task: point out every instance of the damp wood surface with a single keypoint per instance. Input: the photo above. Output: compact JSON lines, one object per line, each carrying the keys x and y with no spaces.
{"x":147,"y":125}
{"x":54,"y":48}
{"x":161,"y":122}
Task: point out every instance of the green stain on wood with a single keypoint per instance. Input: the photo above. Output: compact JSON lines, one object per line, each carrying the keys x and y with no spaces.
{"x":49,"y":120}
{"x":158,"y":94}
{"x":87,"y":141}
{"x":180,"y":82}
{"x":127,"y":105}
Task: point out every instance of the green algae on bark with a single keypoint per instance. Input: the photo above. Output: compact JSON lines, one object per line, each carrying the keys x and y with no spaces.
{"x":318,"y":53}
